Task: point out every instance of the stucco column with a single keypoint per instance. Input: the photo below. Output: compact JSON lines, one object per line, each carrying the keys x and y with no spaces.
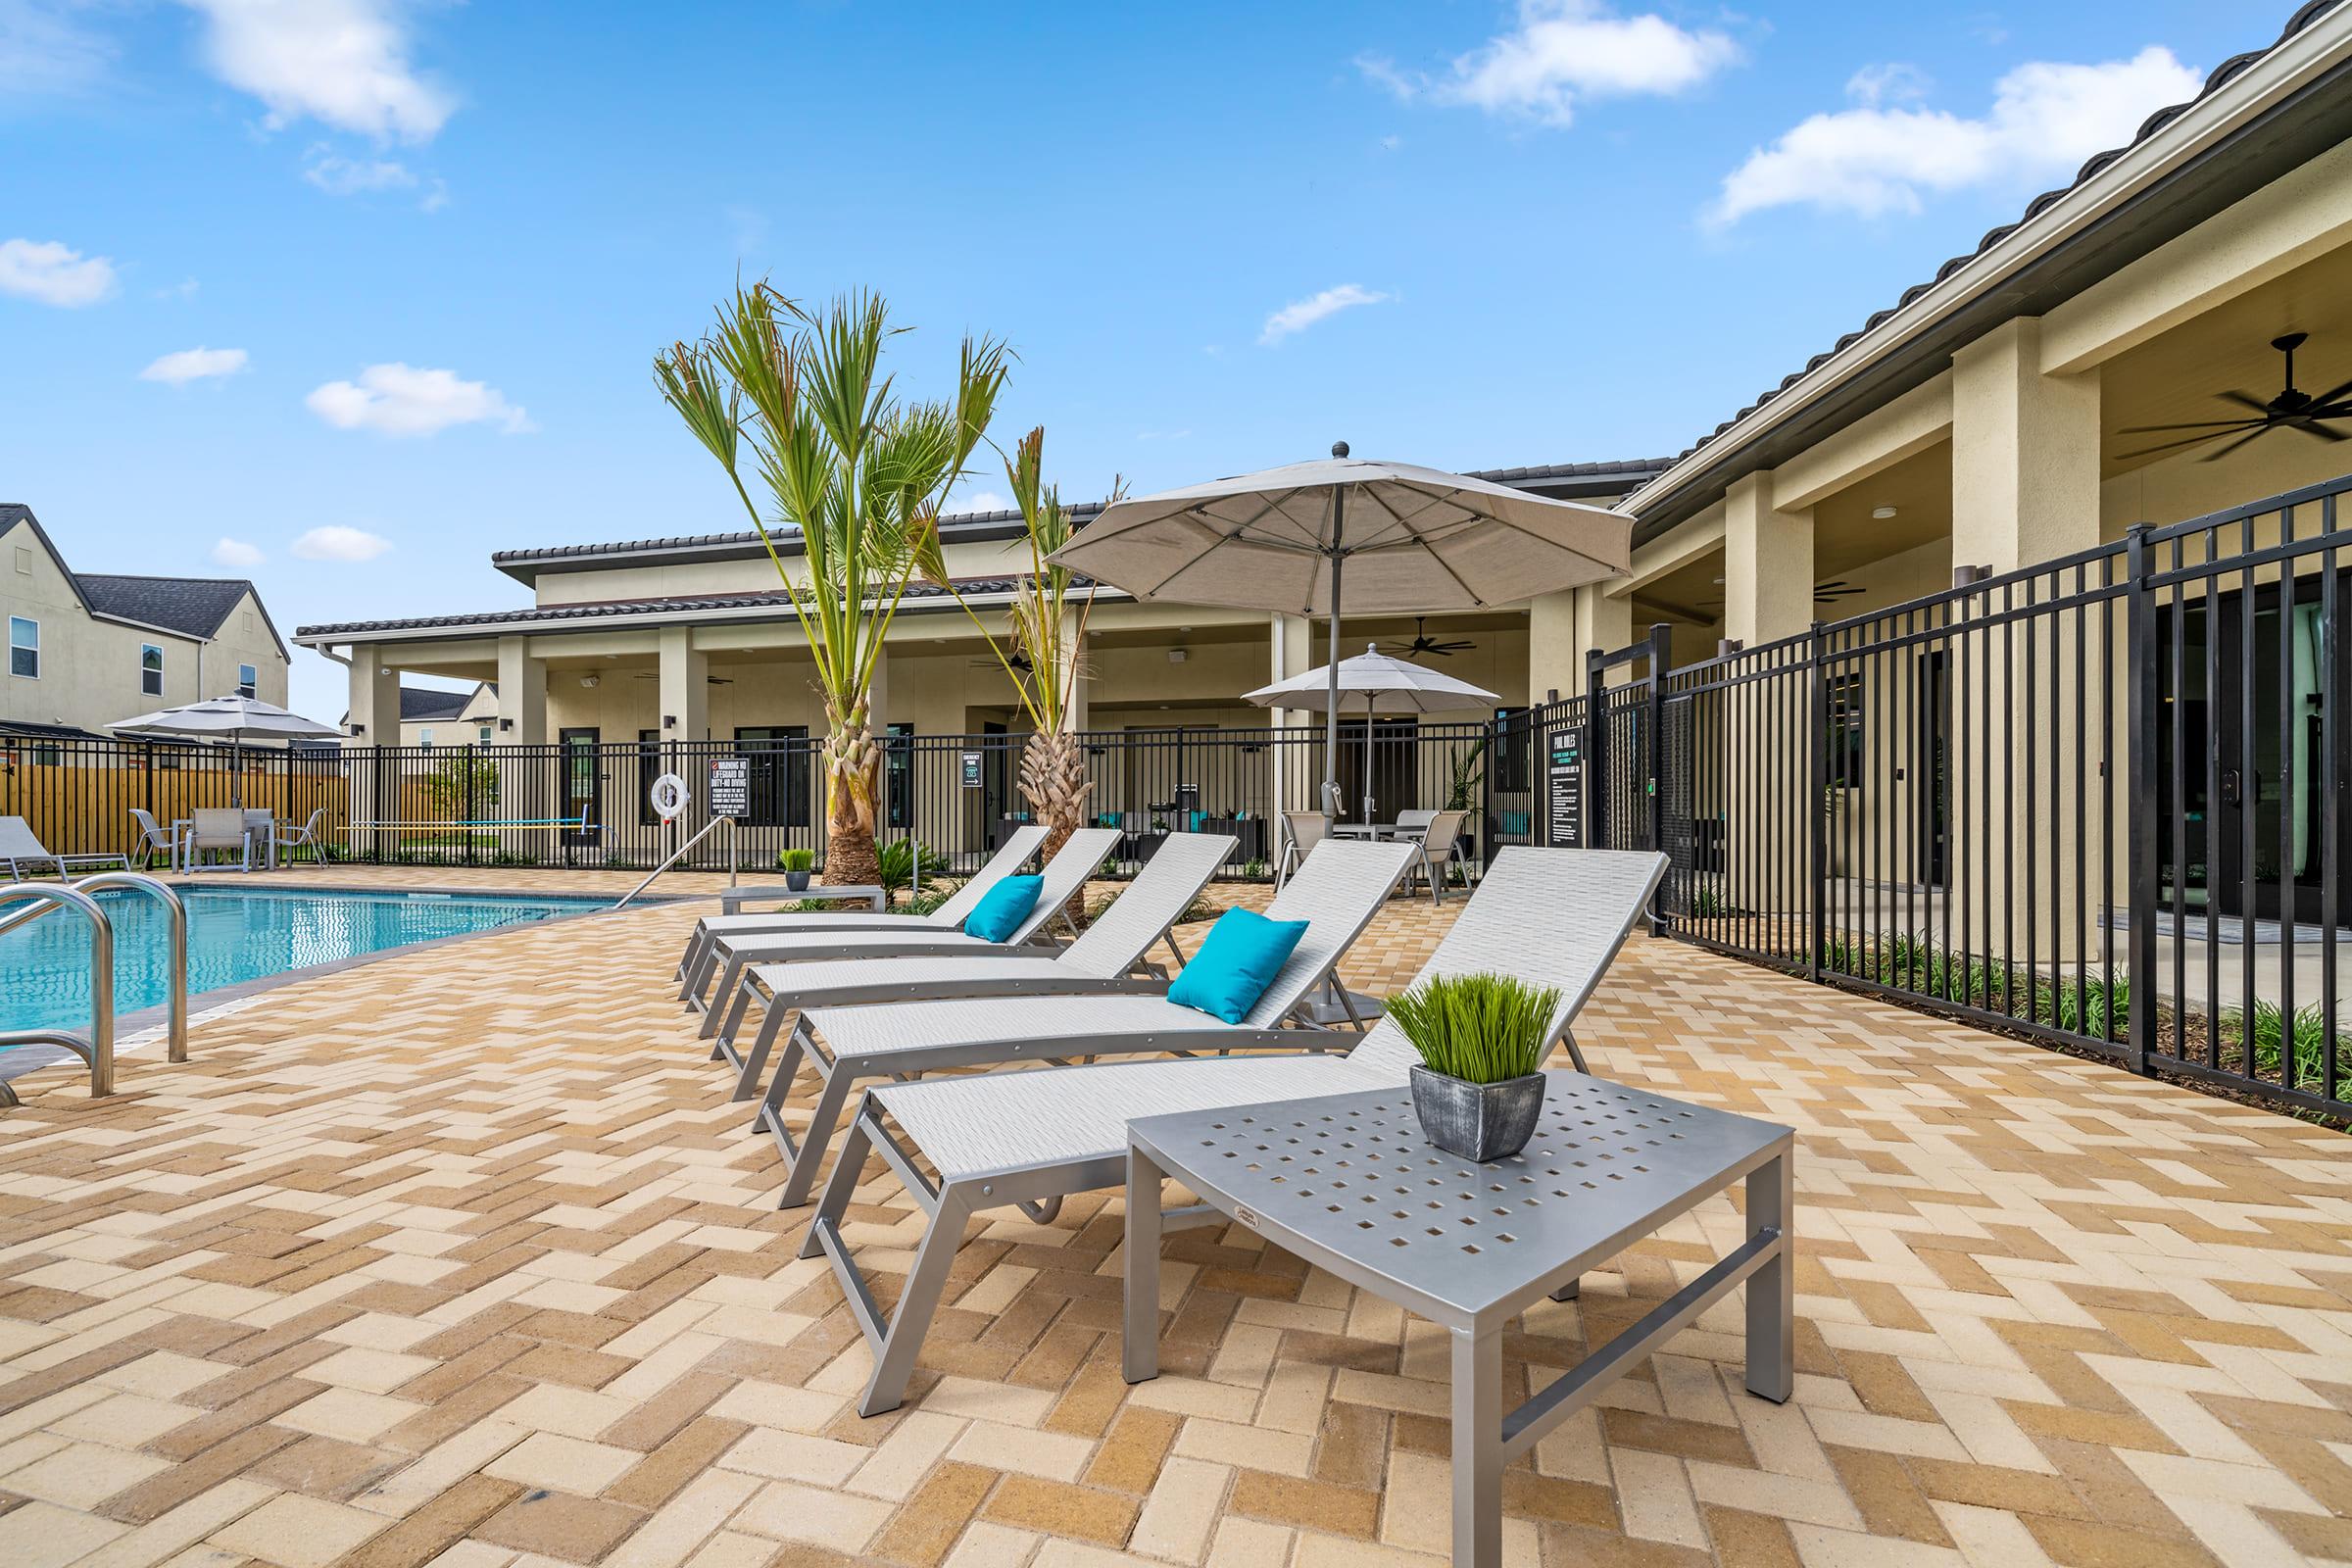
{"x":1767,"y":565}
{"x":374,"y":696}
{"x":522,"y":694}
{"x":2026,"y":489}
{"x":1556,"y":653}
{"x":1605,"y":623}
{"x":1289,"y":648}
{"x":1073,"y":652}
{"x":685,"y":686}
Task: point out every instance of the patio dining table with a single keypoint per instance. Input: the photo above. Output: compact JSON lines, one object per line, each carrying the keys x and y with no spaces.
{"x":263,"y":825}
{"x":1349,"y":1184}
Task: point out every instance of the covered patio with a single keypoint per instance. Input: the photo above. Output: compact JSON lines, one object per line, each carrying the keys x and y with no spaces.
{"x":464,"y":1257}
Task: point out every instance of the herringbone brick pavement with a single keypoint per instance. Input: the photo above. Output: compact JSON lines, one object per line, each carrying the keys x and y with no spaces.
{"x":463,"y":1257}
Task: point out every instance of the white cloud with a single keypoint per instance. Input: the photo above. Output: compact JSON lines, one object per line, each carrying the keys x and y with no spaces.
{"x":2045,"y":120}
{"x":184,"y":289}
{"x":1300,"y":315}
{"x":344,"y":62}
{"x":1564,"y":50}
{"x":45,"y":50}
{"x":194,"y":364}
{"x":236,"y":554}
{"x":401,"y":399}
{"x":981,"y":500}
{"x":338,"y":176}
{"x":334,"y":542}
{"x":48,"y":271}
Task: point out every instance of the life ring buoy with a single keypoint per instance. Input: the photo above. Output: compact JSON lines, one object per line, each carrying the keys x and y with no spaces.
{"x":669,"y":797}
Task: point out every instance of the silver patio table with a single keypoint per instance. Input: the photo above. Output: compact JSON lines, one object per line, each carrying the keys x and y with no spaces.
{"x":1347,"y":1183}
{"x":877,"y":898}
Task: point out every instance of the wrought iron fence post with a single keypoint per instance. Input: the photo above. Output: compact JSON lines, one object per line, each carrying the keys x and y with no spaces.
{"x":1661,"y":654}
{"x":1817,"y":782}
{"x":1596,"y":740}
{"x":2139,"y":805}
{"x":473,"y":814}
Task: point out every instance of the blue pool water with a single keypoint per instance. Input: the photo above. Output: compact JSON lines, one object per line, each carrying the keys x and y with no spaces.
{"x":234,"y":935}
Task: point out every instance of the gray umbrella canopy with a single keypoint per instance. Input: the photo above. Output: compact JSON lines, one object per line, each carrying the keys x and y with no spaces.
{"x":1374,"y":537}
{"x":1378,"y":680}
{"x":236,"y":719}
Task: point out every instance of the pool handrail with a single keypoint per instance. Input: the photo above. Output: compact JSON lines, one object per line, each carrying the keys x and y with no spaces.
{"x":175,"y":1001}
{"x":98,"y":1046}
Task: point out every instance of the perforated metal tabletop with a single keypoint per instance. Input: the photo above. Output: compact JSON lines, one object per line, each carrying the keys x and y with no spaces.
{"x":1348,"y":1183}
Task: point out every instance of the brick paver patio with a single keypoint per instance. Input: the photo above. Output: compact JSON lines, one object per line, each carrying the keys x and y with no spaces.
{"x":463,"y":1257}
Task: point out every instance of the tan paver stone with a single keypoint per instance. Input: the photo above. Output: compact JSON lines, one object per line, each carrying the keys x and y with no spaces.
{"x":467,"y":1257}
{"x":297,"y":1532}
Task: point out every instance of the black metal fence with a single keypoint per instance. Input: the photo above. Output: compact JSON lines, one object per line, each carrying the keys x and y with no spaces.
{"x":2100,"y":801}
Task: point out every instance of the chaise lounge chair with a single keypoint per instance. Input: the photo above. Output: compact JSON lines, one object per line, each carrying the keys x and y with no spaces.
{"x":19,"y":848}
{"x":1554,"y":917}
{"x":694,"y":971}
{"x":1337,"y":891}
{"x":1105,"y":957}
{"x":1064,"y":876}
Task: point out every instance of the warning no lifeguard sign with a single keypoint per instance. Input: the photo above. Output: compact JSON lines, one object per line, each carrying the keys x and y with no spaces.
{"x":730,"y":786}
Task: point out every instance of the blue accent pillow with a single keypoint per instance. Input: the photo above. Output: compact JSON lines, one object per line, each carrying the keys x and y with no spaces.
{"x":1003,"y":908}
{"x":1238,"y":960}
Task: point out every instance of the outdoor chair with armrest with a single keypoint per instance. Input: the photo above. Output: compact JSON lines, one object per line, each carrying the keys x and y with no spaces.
{"x":694,"y":969}
{"x":306,"y":837}
{"x":1551,"y":917}
{"x":19,"y":848}
{"x":154,"y":838}
{"x":1109,"y":956}
{"x":1336,"y":893}
{"x":216,"y":828}
{"x":1438,"y":849}
{"x":1065,"y":877}
{"x":1302,"y":831}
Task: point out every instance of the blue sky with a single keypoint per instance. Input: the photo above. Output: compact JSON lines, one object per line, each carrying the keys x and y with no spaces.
{"x":428,"y":250}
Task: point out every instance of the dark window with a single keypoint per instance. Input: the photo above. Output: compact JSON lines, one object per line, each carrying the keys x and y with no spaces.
{"x":899,"y":765}
{"x":24,"y":647}
{"x":648,"y":768}
{"x":781,"y":762}
{"x":1511,"y":748}
{"x":246,"y":680}
{"x":1845,"y":730}
{"x":151,"y":669}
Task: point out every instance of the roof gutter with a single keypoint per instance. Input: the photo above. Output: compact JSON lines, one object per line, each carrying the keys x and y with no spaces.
{"x":2203,"y":125}
{"x":320,"y":637}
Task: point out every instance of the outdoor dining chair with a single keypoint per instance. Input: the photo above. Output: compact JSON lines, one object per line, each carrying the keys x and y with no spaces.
{"x":306,"y":837}
{"x":1440,"y":851}
{"x":216,"y":830}
{"x":154,"y":839}
{"x":1302,"y":831}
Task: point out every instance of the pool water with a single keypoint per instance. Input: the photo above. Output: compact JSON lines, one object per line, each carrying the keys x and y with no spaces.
{"x":234,"y":935}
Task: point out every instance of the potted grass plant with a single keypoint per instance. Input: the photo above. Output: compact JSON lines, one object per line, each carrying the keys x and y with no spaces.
{"x":1479,"y":1088}
{"x":797,"y":864}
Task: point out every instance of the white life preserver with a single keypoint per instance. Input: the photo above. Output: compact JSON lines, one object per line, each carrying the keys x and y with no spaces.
{"x":669,"y":797}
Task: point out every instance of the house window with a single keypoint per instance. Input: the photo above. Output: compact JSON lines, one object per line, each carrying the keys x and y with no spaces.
{"x":23,"y":647}
{"x":482,"y":734}
{"x":424,"y":736}
{"x":151,"y":669}
{"x":246,"y":680}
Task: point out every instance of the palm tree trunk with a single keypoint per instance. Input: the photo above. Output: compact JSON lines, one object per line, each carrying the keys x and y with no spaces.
{"x":1055,"y":783}
{"x":852,"y":777}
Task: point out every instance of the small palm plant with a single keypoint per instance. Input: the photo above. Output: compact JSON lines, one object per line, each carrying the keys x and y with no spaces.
{"x":1479,"y":1028}
{"x":1040,"y":647}
{"x":854,"y":473}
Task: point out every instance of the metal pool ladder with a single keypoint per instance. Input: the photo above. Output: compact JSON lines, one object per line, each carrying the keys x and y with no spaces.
{"x":97,"y":1046}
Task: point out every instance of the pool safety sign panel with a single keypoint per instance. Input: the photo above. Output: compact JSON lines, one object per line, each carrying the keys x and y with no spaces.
{"x":971,"y":770}
{"x":730,"y":786}
{"x":1564,"y":782}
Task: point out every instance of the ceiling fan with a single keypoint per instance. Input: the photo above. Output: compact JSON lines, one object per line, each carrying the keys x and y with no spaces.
{"x":1423,"y":643}
{"x":2291,"y":409}
{"x":1823,"y":593}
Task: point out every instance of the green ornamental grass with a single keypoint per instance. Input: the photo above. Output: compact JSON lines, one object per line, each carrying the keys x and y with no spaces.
{"x":1479,"y":1028}
{"x":796,"y":859}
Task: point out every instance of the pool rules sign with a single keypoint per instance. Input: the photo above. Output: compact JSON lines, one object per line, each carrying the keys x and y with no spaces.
{"x":730,"y":786}
{"x":1564,"y":787}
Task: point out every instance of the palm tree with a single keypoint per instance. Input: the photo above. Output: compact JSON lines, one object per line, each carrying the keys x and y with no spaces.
{"x":1039,"y":652}
{"x":859,"y":474}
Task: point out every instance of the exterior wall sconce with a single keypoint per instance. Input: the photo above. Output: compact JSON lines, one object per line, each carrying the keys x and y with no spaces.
{"x":669,"y":721}
{"x":506,"y":723}
{"x":358,"y":729}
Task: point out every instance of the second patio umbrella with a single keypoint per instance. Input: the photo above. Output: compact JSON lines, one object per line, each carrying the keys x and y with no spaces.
{"x":1408,"y":540}
{"x":234,"y":719}
{"x":1378,"y":679}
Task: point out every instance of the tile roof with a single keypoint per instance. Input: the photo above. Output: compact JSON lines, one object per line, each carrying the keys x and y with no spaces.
{"x":2221,"y":77}
{"x":607,"y":609}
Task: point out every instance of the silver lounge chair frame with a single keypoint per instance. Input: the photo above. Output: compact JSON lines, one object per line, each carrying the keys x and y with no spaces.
{"x":1029,"y":1140}
{"x":694,"y":969}
{"x":1336,"y":892}
{"x":19,"y":848}
{"x":1065,"y":877}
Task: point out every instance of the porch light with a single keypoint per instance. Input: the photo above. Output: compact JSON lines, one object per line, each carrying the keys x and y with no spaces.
{"x":1881,"y":513}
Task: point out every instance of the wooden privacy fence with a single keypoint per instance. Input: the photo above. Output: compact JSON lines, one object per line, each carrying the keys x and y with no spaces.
{"x":77,"y":796}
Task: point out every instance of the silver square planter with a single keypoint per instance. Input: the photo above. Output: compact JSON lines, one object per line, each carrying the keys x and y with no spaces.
{"x":1479,"y":1122}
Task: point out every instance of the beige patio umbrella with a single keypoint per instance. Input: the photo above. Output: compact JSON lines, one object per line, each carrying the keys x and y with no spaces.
{"x":1376,"y":678}
{"x":1407,"y":540}
{"x":236,"y":719}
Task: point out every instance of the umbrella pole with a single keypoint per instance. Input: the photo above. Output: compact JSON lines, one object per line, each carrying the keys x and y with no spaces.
{"x":1367,"y":757}
{"x":1331,"y":689}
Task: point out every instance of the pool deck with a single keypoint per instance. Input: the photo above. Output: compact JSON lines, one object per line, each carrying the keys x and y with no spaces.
{"x":463,"y":1257}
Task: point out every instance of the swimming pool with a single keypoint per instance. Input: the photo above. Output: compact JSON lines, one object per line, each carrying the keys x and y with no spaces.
{"x":235,"y":935}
